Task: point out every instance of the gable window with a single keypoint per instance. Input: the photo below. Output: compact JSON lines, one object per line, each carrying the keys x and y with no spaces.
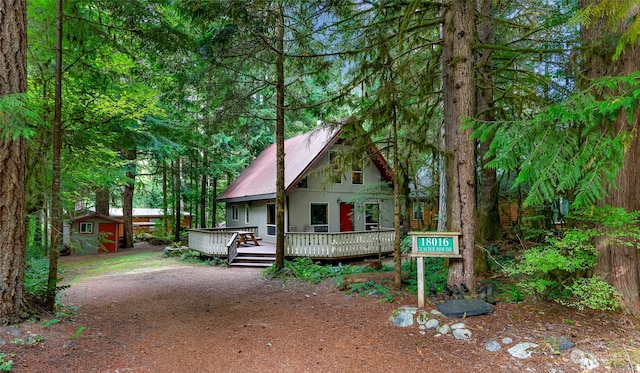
{"x":271,"y":219}
{"x":356,"y":174}
{"x":372,"y":216}
{"x":86,"y":227}
{"x":234,"y":212}
{"x":418,"y":211}
{"x":320,"y":217}
{"x":302,"y":183}
{"x":246,"y":214}
{"x":335,"y":169}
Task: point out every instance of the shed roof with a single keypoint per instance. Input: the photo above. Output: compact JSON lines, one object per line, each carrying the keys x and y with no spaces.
{"x":99,"y":216}
{"x":302,"y":153}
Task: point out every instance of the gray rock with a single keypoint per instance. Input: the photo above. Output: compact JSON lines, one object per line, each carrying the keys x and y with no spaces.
{"x":422,"y":318}
{"x":444,"y":329}
{"x":422,"y":327}
{"x":492,"y":346}
{"x":403,"y":319}
{"x":413,"y":310}
{"x":585,"y":360}
{"x":523,"y":350}
{"x":565,"y":344}
{"x":464,"y":307}
{"x":507,"y":341}
{"x":432,"y":324}
{"x":459,"y":325}
{"x":436,"y":313}
{"x":461,"y":333}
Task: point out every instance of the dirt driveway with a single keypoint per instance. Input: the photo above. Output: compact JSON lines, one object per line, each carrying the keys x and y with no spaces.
{"x":189,"y":318}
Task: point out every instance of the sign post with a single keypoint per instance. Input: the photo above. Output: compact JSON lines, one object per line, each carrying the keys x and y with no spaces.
{"x":432,"y":244}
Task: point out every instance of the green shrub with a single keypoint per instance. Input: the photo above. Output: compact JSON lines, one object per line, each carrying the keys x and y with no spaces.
{"x":557,"y":270}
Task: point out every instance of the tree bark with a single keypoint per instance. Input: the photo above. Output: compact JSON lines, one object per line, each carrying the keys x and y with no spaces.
{"x":13,"y":79}
{"x":617,"y":264}
{"x":102,"y":201}
{"x":177,"y":186}
{"x":459,"y":103}
{"x":203,"y":197}
{"x":127,"y":198}
{"x":280,"y":155}
{"x":56,"y":205}
{"x":489,"y":227}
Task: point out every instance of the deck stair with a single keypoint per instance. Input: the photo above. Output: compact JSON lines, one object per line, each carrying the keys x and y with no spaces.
{"x":253,"y":257}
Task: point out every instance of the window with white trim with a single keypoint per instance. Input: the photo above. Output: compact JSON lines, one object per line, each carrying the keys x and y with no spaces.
{"x":271,"y":219}
{"x":234,"y":212}
{"x":86,"y":227}
{"x":246,"y":214}
{"x":320,"y":217}
{"x":418,"y":211}
{"x":356,"y":174}
{"x":371,"y":216}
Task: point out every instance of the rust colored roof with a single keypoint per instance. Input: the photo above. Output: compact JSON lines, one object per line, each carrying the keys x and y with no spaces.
{"x":96,"y":215}
{"x":258,"y":181}
{"x":302,"y":153}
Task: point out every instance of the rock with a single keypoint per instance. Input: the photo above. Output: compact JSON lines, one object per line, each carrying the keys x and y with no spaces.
{"x":413,"y":310}
{"x":464,"y":307}
{"x":422,"y":318}
{"x":507,"y":341}
{"x":585,"y":360}
{"x":422,"y":327}
{"x":436,"y":313}
{"x":403,"y":319}
{"x":444,"y":329}
{"x":462,"y":333}
{"x":432,"y":324}
{"x":565,"y":344}
{"x":459,"y":325}
{"x":523,"y":350}
{"x":492,"y":346}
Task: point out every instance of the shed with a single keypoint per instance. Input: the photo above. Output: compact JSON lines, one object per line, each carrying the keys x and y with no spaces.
{"x":95,"y":233}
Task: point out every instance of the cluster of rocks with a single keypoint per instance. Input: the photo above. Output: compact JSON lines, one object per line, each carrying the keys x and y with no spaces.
{"x":432,"y":321}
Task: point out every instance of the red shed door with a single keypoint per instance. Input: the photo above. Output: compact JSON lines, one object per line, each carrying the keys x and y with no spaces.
{"x":346,"y":217}
{"x":108,"y":240}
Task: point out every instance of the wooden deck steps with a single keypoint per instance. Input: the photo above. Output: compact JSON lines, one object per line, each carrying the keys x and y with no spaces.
{"x":256,"y":256}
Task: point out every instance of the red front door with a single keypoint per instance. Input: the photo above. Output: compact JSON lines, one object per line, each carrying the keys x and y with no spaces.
{"x":346,"y":217}
{"x":108,"y":237}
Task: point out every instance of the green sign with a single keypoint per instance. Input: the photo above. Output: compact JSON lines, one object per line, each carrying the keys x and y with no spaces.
{"x":443,"y":244}
{"x":435,"y":244}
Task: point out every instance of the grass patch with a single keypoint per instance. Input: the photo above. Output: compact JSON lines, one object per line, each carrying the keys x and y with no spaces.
{"x":102,"y":265}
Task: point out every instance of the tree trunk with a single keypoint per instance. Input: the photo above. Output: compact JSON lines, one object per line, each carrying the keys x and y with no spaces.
{"x":280,"y":91}
{"x":459,"y":103}
{"x":127,"y":198}
{"x":203,"y":198}
{"x":165,"y":199}
{"x":177,"y":186}
{"x":489,"y":227}
{"x":397,"y":250}
{"x":13,"y":79}
{"x":56,"y":206}
{"x":214,"y":205}
{"x":102,"y":201}
{"x":617,"y":264}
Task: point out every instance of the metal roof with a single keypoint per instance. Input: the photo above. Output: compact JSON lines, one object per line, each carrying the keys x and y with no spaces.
{"x":302,"y":153}
{"x":258,"y":181}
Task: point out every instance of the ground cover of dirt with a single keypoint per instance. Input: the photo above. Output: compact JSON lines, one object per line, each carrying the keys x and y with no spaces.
{"x":178,"y":317}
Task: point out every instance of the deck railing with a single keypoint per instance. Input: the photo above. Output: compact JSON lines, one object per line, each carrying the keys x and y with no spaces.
{"x":210,"y":241}
{"x":338,"y":245}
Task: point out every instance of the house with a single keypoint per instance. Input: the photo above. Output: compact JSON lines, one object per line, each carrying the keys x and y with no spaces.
{"x":345,"y":204}
{"x":147,"y":219}
{"x":95,"y":233}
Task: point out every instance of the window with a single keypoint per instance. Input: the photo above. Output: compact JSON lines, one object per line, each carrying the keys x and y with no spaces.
{"x":320,"y":217}
{"x":372,"y":216}
{"x":560,"y":209}
{"x":86,"y":227}
{"x":418,"y":211}
{"x":302,"y":183}
{"x":335,"y":169}
{"x":271,"y":219}
{"x":234,"y":212}
{"x":246,"y":214}
{"x":356,"y":174}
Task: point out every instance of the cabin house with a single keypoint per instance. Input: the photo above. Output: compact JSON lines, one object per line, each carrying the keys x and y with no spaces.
{"x":95,"y":233}
{"x":326,"y":215}
{"x":148,"y":219}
